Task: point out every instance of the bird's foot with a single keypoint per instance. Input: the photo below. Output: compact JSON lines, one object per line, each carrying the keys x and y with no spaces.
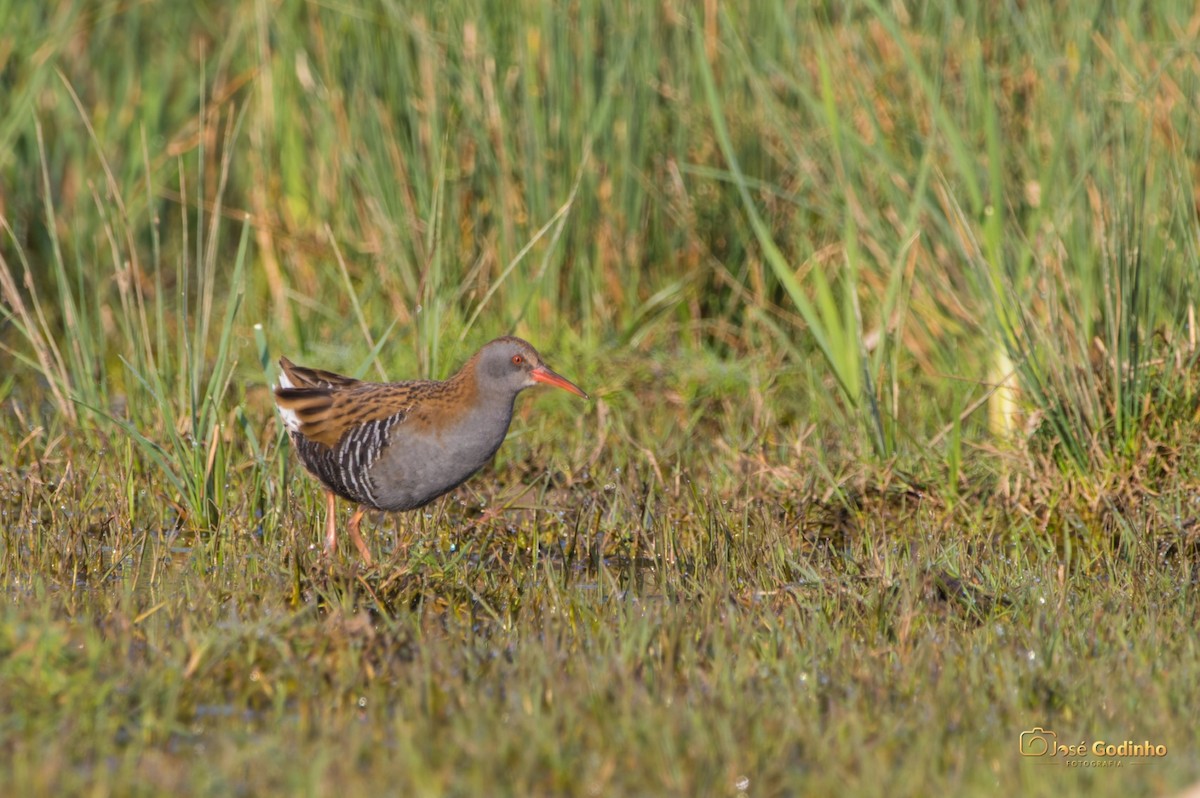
{"x":486,"y":517}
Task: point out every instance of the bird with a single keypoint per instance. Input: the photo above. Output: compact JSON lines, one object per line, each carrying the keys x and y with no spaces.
{"x":396,"y":446}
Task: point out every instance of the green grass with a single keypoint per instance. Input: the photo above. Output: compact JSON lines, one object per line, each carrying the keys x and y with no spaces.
{"x":887,"y":316}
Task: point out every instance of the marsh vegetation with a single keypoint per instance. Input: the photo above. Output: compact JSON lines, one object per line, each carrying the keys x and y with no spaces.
{"x":888,"y":317}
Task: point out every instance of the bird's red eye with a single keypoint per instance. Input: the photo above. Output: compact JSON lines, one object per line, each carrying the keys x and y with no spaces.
{"x":518,"y":360}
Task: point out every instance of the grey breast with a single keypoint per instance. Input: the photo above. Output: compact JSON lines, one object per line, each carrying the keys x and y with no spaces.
{"x":418,"y":465}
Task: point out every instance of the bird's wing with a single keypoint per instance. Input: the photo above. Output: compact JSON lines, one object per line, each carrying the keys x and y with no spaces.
{"x":326,"y":413}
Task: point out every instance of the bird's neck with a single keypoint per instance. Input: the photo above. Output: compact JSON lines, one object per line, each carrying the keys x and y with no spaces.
{"x":485,"y":407}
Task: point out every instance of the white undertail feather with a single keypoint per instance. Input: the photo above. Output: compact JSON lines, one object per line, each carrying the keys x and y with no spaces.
{"x":290,"y":420}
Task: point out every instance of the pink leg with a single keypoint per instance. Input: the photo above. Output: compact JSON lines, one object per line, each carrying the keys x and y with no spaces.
{"x":355,"y":520}
{"x":330,"y":523}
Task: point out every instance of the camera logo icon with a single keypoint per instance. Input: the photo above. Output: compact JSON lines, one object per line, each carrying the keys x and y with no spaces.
{"x":1038,"y":742}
